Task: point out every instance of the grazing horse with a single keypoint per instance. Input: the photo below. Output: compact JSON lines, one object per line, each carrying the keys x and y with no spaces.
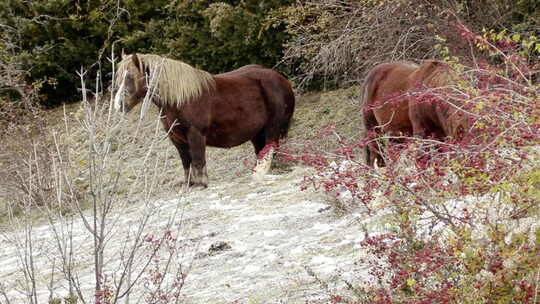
{"x":200,"y":109}
{"x":393,"y":104}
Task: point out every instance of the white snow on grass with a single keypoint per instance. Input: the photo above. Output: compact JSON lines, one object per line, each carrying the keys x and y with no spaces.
{"x":274,"y":231}
{"x":272,"y":243}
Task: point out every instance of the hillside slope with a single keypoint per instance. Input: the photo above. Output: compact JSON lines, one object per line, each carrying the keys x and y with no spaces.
{"x":248,"y":242}
{"x":244,"y":241}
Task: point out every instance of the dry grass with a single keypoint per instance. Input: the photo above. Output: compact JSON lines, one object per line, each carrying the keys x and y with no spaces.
{"x":317,"y":110}
{"x":313,"y":112}
{"x":28,"y":135}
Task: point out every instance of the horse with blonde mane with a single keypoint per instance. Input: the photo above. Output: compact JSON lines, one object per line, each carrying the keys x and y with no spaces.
{"x":199,"y":109}
{"x":394,"y":101}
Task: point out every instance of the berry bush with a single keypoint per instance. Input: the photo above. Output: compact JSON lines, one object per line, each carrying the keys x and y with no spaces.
{"x":462,"y":214}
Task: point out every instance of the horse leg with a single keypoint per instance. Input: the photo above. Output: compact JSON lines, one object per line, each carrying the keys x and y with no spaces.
{"x":197,"y":145}
{"x":178,"y":137}
{"x":372,"y":150}
{"x":419,"y":130}
{"x":264,"y":149}
{"x":367,"y":156}
{"x":419,"y":119}
{"x":185,"y":156}
{"x":258,"y":142}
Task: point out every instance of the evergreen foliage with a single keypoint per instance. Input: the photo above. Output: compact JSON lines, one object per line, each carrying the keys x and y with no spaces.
{"x":54,"y":39}
{"x":49,"y":41}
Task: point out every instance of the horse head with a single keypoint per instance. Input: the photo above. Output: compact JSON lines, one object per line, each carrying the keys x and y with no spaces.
{"x":131,"y":83}
{"x":443,"y":80}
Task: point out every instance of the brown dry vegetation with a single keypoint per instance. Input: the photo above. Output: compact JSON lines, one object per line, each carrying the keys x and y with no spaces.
{"x":335,"y":42}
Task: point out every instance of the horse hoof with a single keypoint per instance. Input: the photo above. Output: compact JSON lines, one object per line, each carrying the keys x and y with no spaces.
{"x":198,"y":186}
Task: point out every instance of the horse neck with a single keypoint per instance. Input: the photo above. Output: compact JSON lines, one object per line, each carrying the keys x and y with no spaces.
{"x":180,"y":91}
{"x":207,"y":95}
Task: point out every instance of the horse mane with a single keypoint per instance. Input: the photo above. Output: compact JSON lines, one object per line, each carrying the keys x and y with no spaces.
{"x":174,"y":81}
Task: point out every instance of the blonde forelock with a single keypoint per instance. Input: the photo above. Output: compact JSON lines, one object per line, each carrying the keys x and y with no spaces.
{"x":174,"y":82}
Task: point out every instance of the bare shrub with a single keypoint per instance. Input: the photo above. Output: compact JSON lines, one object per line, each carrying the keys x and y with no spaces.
{"x":337,"y":41}
{"x":87,"y":214}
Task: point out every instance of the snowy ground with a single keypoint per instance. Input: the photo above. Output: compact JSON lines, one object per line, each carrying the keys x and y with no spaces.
{"x":277,"y":235}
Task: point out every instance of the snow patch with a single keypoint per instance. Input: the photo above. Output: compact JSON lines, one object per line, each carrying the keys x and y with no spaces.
{"x":273,"y":233}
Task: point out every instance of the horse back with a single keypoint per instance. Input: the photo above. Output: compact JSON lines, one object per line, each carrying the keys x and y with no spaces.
{"x":247,"y":101}
{"x":244,"y":70}
{"x":276,"y":92}
{"x":435,"y":116}
{"x":381,"y":101}
{"x":272,"y":86}
{"x":432,"y":73}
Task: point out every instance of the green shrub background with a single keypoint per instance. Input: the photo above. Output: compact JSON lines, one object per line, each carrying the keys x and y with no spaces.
{"x":53,"y":39}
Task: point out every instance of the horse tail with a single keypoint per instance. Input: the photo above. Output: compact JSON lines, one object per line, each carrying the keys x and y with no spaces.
{"x":289,"y":110}
{"x":368,"y":116}
{"x":290,"y":101}
{"x":368,"y":87}
{"x":281,"y":102}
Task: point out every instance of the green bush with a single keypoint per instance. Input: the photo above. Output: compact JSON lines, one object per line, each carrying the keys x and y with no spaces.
{"x":218,"y":36}
{"x":54,"y":39}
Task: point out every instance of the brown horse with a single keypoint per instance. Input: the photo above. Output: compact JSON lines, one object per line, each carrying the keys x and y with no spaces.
{"x":392,"y":103}
{"x":199,"y":109}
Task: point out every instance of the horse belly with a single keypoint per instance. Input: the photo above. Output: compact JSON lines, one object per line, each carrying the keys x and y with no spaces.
{"x":221,"y":139}
{"x":240,"y":112}
{"x":234,"y":130}
{"x":393,"y":119}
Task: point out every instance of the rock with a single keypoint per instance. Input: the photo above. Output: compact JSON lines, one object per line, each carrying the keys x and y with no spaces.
{"x":219,"y":246}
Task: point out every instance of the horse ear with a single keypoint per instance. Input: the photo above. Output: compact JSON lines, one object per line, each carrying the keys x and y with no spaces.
{"x":137,"y":63}
{"x":123,"y":54}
